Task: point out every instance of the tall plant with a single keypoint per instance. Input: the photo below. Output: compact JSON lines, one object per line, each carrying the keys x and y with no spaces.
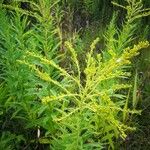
{"x":87,"y":111}
{"x":66,"y":108}
{"x":31,"y":29}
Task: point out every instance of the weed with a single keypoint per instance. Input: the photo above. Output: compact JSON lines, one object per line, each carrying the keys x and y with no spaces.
{"x":74,"y":107}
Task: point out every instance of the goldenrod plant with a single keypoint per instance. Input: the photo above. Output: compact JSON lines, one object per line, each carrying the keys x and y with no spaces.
{"x":21,"y":110}
{"x":90,"y":110}
{"x":87,"y":112}
{"x":80,"y":107}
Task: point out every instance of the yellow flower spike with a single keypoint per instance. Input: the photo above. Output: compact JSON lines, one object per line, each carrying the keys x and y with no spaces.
{"x":93,"y":45}
{"x":45,"y":100}
{"x":44,"y":76}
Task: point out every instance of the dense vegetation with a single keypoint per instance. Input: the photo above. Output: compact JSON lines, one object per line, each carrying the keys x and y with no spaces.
{"x":69,"y":78}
